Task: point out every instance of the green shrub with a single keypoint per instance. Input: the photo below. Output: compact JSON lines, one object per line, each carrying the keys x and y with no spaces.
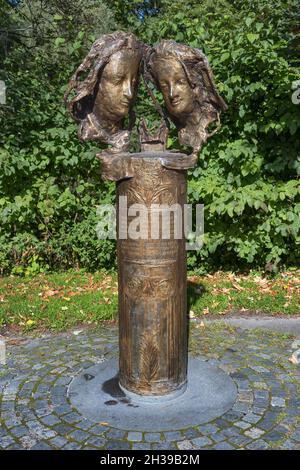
{"x":248,"y":173}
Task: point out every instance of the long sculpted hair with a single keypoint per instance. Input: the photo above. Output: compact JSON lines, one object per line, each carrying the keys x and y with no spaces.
{"x":84,"y":86}
{"x":208,"y":102}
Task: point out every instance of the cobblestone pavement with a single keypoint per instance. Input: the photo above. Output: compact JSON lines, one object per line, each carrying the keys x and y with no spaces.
{"x":36,"y":413}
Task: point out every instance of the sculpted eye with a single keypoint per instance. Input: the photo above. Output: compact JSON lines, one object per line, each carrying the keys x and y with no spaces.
{"x":118,"y":80}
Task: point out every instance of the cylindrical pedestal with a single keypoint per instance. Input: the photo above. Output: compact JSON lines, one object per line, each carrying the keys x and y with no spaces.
{"x":152,"y":278}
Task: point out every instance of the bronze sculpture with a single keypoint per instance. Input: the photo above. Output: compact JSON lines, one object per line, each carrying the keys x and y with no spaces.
{"x":183,"y":75}
{"x":152,"y":272}
{"x":106,"y":95}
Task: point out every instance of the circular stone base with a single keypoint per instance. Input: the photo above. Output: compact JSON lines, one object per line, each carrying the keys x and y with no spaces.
{"x":96,"y":394}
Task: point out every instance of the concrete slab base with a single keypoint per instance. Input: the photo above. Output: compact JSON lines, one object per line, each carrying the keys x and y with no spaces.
{"x":96,"y":394}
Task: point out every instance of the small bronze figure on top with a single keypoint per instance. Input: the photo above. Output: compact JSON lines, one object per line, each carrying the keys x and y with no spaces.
{"x":183,"y":75}
{"x":105,"y":96}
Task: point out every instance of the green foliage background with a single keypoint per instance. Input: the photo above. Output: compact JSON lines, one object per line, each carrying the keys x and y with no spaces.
{"x":247,"y":175}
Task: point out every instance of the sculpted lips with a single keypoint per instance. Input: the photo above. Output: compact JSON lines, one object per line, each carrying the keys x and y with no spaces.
{"x":124,"y":103}
{"x":176,"y":102}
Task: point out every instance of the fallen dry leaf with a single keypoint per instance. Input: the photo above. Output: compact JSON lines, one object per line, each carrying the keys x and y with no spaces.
{"x":237,"y":286}
{"x":51,"y":293}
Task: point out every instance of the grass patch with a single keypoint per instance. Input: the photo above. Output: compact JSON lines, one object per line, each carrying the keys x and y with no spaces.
{"x":222,"y":293}
{"x":57,"y":301}
{"x":63,"y":300}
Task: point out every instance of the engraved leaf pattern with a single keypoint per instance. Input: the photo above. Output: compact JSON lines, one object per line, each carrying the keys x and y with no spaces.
{"x":149,"y":187}
{"x":148,"y":359}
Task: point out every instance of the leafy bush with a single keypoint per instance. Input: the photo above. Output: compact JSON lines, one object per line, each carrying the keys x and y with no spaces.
{"x":248,"y":173}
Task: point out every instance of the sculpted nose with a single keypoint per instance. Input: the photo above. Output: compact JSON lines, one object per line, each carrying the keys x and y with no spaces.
{"x":128,"y":90}
{"x":173,"y":91}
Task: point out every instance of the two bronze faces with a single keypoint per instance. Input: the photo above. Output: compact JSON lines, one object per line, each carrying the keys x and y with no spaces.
{"x":102,"y":91}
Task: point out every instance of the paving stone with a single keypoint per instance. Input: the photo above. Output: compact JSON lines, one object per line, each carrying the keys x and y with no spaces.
{"x":208,"y":429}
{"x":50,"y":420}
{"x":58,"y":442}
{"x":72,"y":418}
{"x":259,"y":444}
{"x":273,"y":436}
{"x":233,"y":416}
{"x":141,"y":446}
{"x":135,"y":436}
{"x":85,"y":424}
{"x":152,"y":437}
{"x":278,"y":401}
{"x":252,"y":418}
{"x":62,"y":410}
{"x":239,"y":441}
{"x":6,"y":441}
{"x":223,"y":446}
{"x":40,"y":369}
{"x":79,"y":435}
{"x":255,"y":433}
{"x":71,"y":446}
{"x":98,"y":430}
{"x":97,"y":441}
{"x":118,"y":445}
{"x":185,"y":445}
{"x":290,"y":444}
{"x":116,"y":434}
{"x":191,"y":433}
{"x":242,"y":425}
{"x":41,"y":446}
{"x":19,"y":431}
{"x":219,"y":436}
{"x":201,"y":442}
{"x":231,"y":432}
{"x":296,"y":434}
{"x":45,"y":433}
{"x":63,"y":428}
{"x":15,"y":446}
{"x":163,"y":446}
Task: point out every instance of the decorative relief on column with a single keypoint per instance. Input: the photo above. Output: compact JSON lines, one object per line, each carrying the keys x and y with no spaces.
{"x":149,"y":360}
{"x":152,"y":280}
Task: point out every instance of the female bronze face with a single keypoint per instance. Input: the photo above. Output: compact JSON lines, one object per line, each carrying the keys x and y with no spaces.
{"x":118,"y":86}
{"x":185,"y":79}
{"x":172,"y":81}
{"x":105,"y":97}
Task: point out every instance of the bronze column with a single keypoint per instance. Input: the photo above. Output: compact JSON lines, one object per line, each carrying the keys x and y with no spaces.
{"x":152,"y":284}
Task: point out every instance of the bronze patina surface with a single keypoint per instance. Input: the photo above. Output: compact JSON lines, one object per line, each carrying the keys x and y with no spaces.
{"x":102,"y":99}
{"x":184,"y":77}
{"x":151,"y":266}
{"x":152,"y":284}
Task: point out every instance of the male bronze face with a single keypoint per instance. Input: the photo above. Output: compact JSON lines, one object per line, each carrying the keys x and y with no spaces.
{"x":173,"y":83}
